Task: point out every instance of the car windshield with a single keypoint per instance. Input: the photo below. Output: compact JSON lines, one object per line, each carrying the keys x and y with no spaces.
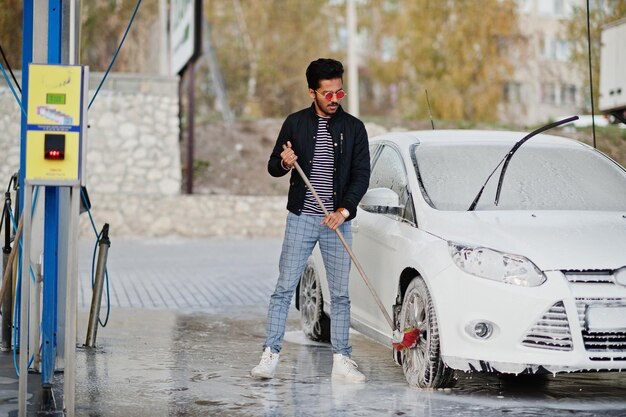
{"x":539,"y":177}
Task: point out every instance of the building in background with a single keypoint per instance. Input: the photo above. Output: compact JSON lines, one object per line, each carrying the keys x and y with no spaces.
{"x":544,"y":86}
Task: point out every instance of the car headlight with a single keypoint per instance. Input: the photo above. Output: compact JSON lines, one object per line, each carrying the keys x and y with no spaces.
{"x":495,"y":265}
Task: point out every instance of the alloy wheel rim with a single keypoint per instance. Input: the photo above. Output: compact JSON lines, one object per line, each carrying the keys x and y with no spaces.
{"x":415,"y":359}
{"x":309,"y":297}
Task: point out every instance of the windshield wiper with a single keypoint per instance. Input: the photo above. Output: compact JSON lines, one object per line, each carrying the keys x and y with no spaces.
{"x":509,"y":155}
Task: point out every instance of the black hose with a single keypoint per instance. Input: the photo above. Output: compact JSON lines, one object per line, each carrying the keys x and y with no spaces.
{"x":7,"y":236}
{"x":6,"y":61}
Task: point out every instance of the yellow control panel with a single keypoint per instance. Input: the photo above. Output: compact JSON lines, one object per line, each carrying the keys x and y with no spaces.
{"x":56,"y":109}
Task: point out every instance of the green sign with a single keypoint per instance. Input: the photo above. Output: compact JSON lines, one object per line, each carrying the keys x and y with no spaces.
{"x":55,"y":98}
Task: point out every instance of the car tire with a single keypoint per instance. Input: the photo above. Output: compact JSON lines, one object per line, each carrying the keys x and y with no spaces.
{"x":422,"y":365}
{"x":315,"y":323}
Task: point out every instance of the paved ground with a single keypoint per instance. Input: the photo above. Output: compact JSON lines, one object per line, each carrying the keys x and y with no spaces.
{"x":186,"y":326}
{"x":185,"y":274}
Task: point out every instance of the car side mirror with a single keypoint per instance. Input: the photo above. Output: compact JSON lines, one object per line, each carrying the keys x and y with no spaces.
{"x":381,"y":200}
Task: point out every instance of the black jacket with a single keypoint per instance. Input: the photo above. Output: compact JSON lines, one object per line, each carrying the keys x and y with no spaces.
{"x":352,"y":160}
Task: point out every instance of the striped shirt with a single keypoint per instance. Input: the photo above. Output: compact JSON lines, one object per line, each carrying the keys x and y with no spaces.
{"x":321,"y":175}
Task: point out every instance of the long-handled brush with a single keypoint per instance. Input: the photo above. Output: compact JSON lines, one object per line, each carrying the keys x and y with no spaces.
{"x":406,"y":339}
{"x":9,"y":266}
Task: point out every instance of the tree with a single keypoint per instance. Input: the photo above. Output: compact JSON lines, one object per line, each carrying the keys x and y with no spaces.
{"x":11,"y":32}
{"x":601,"y":12}
{"x":454,"y":48}
{"x":264,"y":49}
{"x":103,"y":25}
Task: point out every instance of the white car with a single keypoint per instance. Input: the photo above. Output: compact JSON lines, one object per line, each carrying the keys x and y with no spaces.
{"x":533,"y":284}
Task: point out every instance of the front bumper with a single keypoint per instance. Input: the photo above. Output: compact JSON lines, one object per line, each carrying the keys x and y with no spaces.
{"x":542,"y":329}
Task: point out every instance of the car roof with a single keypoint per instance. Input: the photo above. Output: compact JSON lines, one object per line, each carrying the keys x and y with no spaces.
{"x":474,"y":137}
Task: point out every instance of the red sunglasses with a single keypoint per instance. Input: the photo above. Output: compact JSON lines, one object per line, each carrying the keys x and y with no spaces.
{"x":328,"y":95}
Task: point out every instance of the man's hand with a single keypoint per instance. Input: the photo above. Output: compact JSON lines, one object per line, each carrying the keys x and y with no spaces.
{"x":288,"y":157}
{"x":333,"y":220}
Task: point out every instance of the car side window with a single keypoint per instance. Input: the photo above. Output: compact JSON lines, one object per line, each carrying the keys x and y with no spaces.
{"x":389,"y":172}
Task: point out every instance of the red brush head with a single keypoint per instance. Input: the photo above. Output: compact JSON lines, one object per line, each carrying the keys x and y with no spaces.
{"x":409,"y":339}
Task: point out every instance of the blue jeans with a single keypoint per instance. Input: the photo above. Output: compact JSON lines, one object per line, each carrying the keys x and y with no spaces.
{"x":301,"y":235}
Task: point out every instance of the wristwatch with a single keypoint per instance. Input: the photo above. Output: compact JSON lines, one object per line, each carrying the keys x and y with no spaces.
{"x":344,"y":212}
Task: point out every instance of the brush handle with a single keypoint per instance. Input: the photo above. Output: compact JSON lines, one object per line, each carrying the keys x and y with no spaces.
{"x":345,"y":244}
{"x":9,"y":266}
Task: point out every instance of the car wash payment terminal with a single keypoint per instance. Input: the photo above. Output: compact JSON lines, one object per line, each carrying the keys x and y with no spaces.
{"x":54,"y":148}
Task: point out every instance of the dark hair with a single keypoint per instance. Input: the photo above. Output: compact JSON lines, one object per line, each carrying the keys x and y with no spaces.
{"x":323,"y":69}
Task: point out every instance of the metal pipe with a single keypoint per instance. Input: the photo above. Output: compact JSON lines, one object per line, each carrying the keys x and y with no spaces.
{"x":191,"y":108}
{"x":24,"y":289}
{"x":35,"y":333}
{"x":69,"y":379}
{"x":52,"y":247}
{"x":96,"y":299}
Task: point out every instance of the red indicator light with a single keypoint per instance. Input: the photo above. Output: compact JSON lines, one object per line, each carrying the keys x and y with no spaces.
{"x":54,"y":146}
{"x":54,"y":155}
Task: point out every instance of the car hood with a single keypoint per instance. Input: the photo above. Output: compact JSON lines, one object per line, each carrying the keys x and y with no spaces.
{"x":553,"y":240}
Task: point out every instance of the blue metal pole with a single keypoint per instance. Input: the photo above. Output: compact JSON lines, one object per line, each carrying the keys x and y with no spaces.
{"x":51,"y":228}
{"x":27,"y":58}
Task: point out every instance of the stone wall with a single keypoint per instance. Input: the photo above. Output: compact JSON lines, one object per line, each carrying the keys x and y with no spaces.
{"x":134,"y":169}
{"x":188,"y":215}
{"x":9,"y":134}
{"x":133,"y":137}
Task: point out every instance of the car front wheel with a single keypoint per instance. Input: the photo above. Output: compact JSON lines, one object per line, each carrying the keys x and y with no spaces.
{"x":422,"y":365}
{"x":315,"y":323}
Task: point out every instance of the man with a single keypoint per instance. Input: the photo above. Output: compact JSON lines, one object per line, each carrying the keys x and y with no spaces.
{"x":332,"y":149}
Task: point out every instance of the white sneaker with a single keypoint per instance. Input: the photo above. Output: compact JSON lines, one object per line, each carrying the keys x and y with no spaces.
{"x":267,"y":367}
{"x":344,"y":367}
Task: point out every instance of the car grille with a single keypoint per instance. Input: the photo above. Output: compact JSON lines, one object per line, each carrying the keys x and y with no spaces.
{"x":598,"y":276}
{"x":551,"y":331}
{"x":599,"y":343}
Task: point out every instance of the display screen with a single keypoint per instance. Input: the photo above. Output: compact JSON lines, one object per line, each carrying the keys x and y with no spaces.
{"x":55,"y":98}
{"x":54,"y":146}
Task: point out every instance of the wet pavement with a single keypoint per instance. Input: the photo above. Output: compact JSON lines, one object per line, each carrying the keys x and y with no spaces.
{"x":197,"y":364}
{"x":189,"y":350}
{"x":9,"y":386}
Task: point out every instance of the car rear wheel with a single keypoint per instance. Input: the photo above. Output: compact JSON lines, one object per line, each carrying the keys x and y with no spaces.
{"x":315,"y":323}
{"x":422,"y":365}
